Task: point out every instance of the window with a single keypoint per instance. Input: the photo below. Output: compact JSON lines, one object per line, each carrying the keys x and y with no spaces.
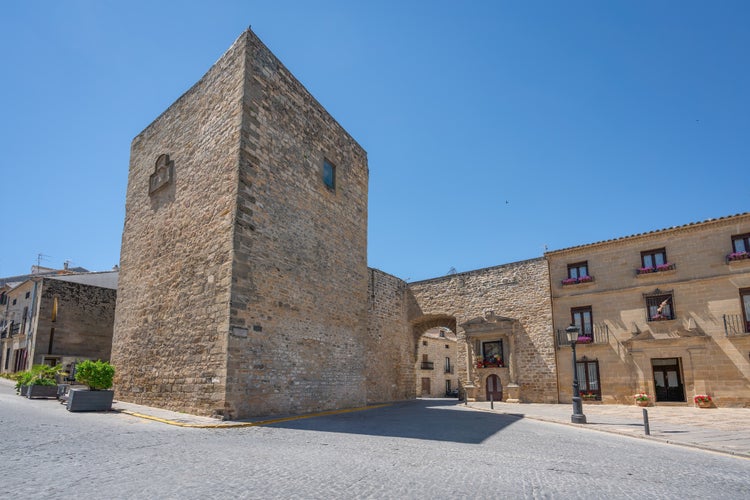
{"x":448,"y":388}
{"x":424,"y":342}
{"x":578,"y":270}
{"x":14,"y":301}
{"x":741,"y":243}
{"x":654,"y":258}
{"x":448,"y":365}
{"x":3,"y":299}
{"x":329,"y":174}
{"x":745,"y":300}
{"x":582,"y":318}
{"x":23,"y":319}
{"x":654,"y":261}
{"x":588,"y":379}
{"x":659,"y":306}
{"x":28,"y":294}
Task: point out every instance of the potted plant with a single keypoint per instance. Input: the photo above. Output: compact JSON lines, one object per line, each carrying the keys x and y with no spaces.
{"x":97,"y":375}
{"x":703,"y":401}
{"x":23,"y":381}
{"x":43,"y":381}
{"x":641,"y":399}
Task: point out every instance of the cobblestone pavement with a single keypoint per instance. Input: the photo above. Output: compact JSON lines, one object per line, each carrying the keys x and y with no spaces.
{"x":423,"y":448}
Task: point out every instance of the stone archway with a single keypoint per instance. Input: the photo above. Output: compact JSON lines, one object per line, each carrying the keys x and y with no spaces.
{"x":439,"y":372}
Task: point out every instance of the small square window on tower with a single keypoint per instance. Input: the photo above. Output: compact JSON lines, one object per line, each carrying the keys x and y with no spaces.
{"x":329,"y":174}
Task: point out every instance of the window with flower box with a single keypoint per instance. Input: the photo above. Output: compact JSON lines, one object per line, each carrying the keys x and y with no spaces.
{"x":582,"y":317}
{"x":588,"y":379}
{"x":659,"y":306}
{"x":578,"y":273}
{"x":740,"y":247}
{"x":654,"y":261}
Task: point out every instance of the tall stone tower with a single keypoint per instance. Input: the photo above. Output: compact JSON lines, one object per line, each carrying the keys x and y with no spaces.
{"x":243,"y":282}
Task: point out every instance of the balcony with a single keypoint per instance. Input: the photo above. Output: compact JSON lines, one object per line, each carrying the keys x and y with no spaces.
{"x":600,"y":335}
{"x":735,"y":324}
{"x":738,"y":257}
{"x":577,"y":281}
{"x":661,"y":268}
{"x":427,"y":365}
{"x":449,"y":370}
{"x":498,"y":363}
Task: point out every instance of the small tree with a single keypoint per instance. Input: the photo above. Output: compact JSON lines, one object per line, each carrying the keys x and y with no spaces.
{"x":97,"y":375}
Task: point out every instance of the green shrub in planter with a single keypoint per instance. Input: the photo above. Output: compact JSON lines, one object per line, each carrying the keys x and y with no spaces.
{"x":97,"y":375}
{"x":23,"y":379}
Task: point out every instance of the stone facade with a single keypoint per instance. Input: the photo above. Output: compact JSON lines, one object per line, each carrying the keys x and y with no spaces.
{"x":59,"y":322}
{"x":700,"y":331}
{"x":436,"y":358}
{"x":244,"y":286}
{"x":237,"y":249}
{"x":508,"y":304}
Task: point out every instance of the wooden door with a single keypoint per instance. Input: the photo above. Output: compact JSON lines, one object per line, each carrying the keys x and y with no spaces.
{"x":493,"y":388}
{"x":425,"y":386}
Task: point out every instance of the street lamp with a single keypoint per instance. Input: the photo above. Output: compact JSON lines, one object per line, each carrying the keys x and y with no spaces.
{"x":578,"y":417}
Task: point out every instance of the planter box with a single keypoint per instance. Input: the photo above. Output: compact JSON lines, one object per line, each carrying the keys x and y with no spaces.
{"x":86,"y":400}
{"x":24,"y":390}
{"x":41,"y":391}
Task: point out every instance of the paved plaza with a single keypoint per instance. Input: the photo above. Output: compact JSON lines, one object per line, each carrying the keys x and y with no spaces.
{"x":416,"y":449}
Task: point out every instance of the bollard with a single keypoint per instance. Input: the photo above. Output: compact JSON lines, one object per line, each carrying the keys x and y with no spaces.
{"x":646,"y":428}
{"x":492,"y":401}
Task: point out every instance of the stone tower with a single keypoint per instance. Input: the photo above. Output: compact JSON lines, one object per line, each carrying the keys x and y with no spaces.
{"x":243,"y":283}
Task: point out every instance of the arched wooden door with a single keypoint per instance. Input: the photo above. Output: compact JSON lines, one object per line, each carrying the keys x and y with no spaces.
{"x":493,"y":388}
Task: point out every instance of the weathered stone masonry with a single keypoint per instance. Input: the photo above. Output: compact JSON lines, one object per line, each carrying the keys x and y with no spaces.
{"x":244,"y":288}
{"x":517,"y":293}
{"x":243,"y":274}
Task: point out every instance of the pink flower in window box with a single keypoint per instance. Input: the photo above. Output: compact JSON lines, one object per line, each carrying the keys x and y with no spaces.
{"x":738,"y":256}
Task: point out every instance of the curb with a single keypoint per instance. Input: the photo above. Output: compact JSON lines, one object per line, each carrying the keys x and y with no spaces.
{"x":625,"y":434}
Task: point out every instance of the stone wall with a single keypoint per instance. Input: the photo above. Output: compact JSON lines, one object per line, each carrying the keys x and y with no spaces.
{"x":243,"y":285}
{"x":389,"y":354}
{"x":299,"y":268}
{"x":172,"y":318}
{"x":81,"y":327}
{"x":519,"y":291}
{"x":704,"y":287}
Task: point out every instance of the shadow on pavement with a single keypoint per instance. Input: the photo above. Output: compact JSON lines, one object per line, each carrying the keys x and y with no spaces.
{"x":436,"y":420}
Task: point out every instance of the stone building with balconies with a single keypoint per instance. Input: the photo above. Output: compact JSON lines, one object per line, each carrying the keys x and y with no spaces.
{"x":665,"y":312}
{"x":436,"y":360}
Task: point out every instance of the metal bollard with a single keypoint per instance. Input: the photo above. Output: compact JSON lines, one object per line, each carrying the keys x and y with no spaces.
{"x":492,"y":401}
{"x":646,"y":428}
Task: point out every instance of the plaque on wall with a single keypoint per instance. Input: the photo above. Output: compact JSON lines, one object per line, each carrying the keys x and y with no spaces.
{"x":163,"y":174}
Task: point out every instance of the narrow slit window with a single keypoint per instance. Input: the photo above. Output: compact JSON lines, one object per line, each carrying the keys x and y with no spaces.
{"x":329,"y":174}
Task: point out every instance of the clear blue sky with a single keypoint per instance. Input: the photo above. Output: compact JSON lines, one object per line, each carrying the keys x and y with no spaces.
{"x":492,"y":128}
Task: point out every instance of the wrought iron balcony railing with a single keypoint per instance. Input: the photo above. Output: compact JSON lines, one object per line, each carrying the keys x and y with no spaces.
{"x":599,"y":335}
{"x":735,"y":324}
